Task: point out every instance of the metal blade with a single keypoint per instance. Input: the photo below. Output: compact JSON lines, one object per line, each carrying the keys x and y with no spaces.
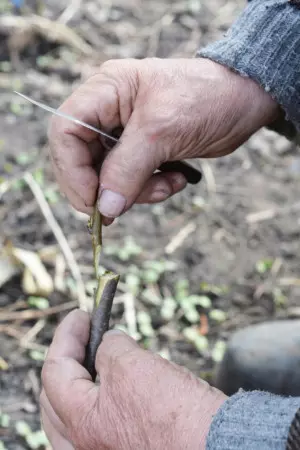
{"x":66,"y":116}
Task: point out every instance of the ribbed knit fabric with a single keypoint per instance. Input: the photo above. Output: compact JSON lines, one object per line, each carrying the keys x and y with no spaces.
{"x":293,"y":442}
{"x":264,"y":44}
{"x":253,"y":421}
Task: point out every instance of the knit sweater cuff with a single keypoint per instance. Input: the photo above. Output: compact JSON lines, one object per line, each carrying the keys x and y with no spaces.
{"x":253,"y":420}
{"x":264,"y":44}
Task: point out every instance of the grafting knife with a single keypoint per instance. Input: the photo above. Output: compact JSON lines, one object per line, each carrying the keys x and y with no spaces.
{"x":192,"y":175}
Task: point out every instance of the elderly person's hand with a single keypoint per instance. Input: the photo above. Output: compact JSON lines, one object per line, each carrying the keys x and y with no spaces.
{"x":143,"y":402}
{"x":170,"y":110}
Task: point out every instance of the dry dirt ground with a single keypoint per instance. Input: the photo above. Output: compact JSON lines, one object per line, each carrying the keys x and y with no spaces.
{"x":231,"y":244}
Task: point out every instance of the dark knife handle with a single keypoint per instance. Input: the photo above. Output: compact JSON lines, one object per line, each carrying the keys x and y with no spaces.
{"x":192,"y":175}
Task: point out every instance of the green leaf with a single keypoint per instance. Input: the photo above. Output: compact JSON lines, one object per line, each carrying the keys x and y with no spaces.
{"x":36,"y":355}
{"x":145,"y":325}
{"x":143,"y":318}
{"x":22,"y":428}
{"x":25,"y":158}
{"x":264,"y":265}
{"x":168,"y":308}
{"x":4,"y":420}
{"x":218,"y":315}
{"x":200,"y":300}
{"x":201,"y":343}
{"x":38,"y":175}
{"x":16,"y":108}
{"x":181,"y":289}
{"x":150,"y":276}
{"x":52,"y":196}
{"x":218,"y":351}
{"x":37,"y":440}
{"x":38,"y":302}
{"x":147,"y":330}
{"x":192,"y":315}
{"x":190,"y":333}
{"x":125,"y":252}
{"x":152,"y":270}
{"x":189,"y":310}
{"x":217,"y":290}
{"x":160,"y":266}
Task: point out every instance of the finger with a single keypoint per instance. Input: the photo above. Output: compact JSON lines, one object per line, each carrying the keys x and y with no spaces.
{"x":95,"y":103}
{"x":67,"y":383}
{"x":57,"y":441}
{"x":126,"y":169}
{"x":78,"y":174}
{"x":161,"y":186}
{"x":53,"y":417}
{"x":115,"y":345}
{"x":77,"y":202}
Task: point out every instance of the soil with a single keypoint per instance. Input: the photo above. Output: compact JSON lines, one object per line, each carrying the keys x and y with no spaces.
{"x":241,"y":224}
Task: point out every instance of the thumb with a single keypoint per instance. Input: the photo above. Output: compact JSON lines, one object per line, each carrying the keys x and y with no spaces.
{"x":126,"y":169}
{"x":114,"y":346}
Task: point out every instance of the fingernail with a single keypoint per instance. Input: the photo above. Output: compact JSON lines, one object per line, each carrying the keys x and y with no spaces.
{"x":159,"y":196}
{"x":114,"y":333}
{"x":178,"y":179}
{"x":107,"y":221}
{"x":111,"y":204}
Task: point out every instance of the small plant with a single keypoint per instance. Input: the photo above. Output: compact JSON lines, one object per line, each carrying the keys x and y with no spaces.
{"x":145,"y":325}
{"x":168,"y":308}
{"x":39,"y":177}
{"x":218,"y":351}
{"x":199,"y":342}
{"x":25,"y":158}
{"x":218,"y":315}
{"x":189,"y":306}
{"x":181,"y":289}
{"x":38,"y":302}
{"x":4,"y":420}
{"x":264,"y":265}
{"x":34,"y":439}
{"x":216,"y":290}
{"x":126,"y":251}
{"x":37,"y":355}
{"x":153,"y":270}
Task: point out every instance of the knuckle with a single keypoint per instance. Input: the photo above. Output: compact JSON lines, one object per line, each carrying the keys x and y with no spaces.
{"x":109,"y":66}
{"x":131,"y":364}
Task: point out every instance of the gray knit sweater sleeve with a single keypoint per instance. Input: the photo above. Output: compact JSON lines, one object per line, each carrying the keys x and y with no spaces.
{"x":253,"y":421}
{"x":264,"y":44}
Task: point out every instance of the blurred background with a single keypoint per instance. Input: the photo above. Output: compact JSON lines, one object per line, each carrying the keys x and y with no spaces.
{"x":213,"y":259}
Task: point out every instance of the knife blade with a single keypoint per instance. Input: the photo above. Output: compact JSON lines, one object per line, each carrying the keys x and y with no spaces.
{"x":192,"y":175}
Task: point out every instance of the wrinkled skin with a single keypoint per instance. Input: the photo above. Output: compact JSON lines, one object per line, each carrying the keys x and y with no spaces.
{"x":143,"y":401}
{"x":170,"y":110}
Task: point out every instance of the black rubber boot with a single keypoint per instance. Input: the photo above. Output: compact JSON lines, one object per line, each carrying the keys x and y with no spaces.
{"x":264,"y":357}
